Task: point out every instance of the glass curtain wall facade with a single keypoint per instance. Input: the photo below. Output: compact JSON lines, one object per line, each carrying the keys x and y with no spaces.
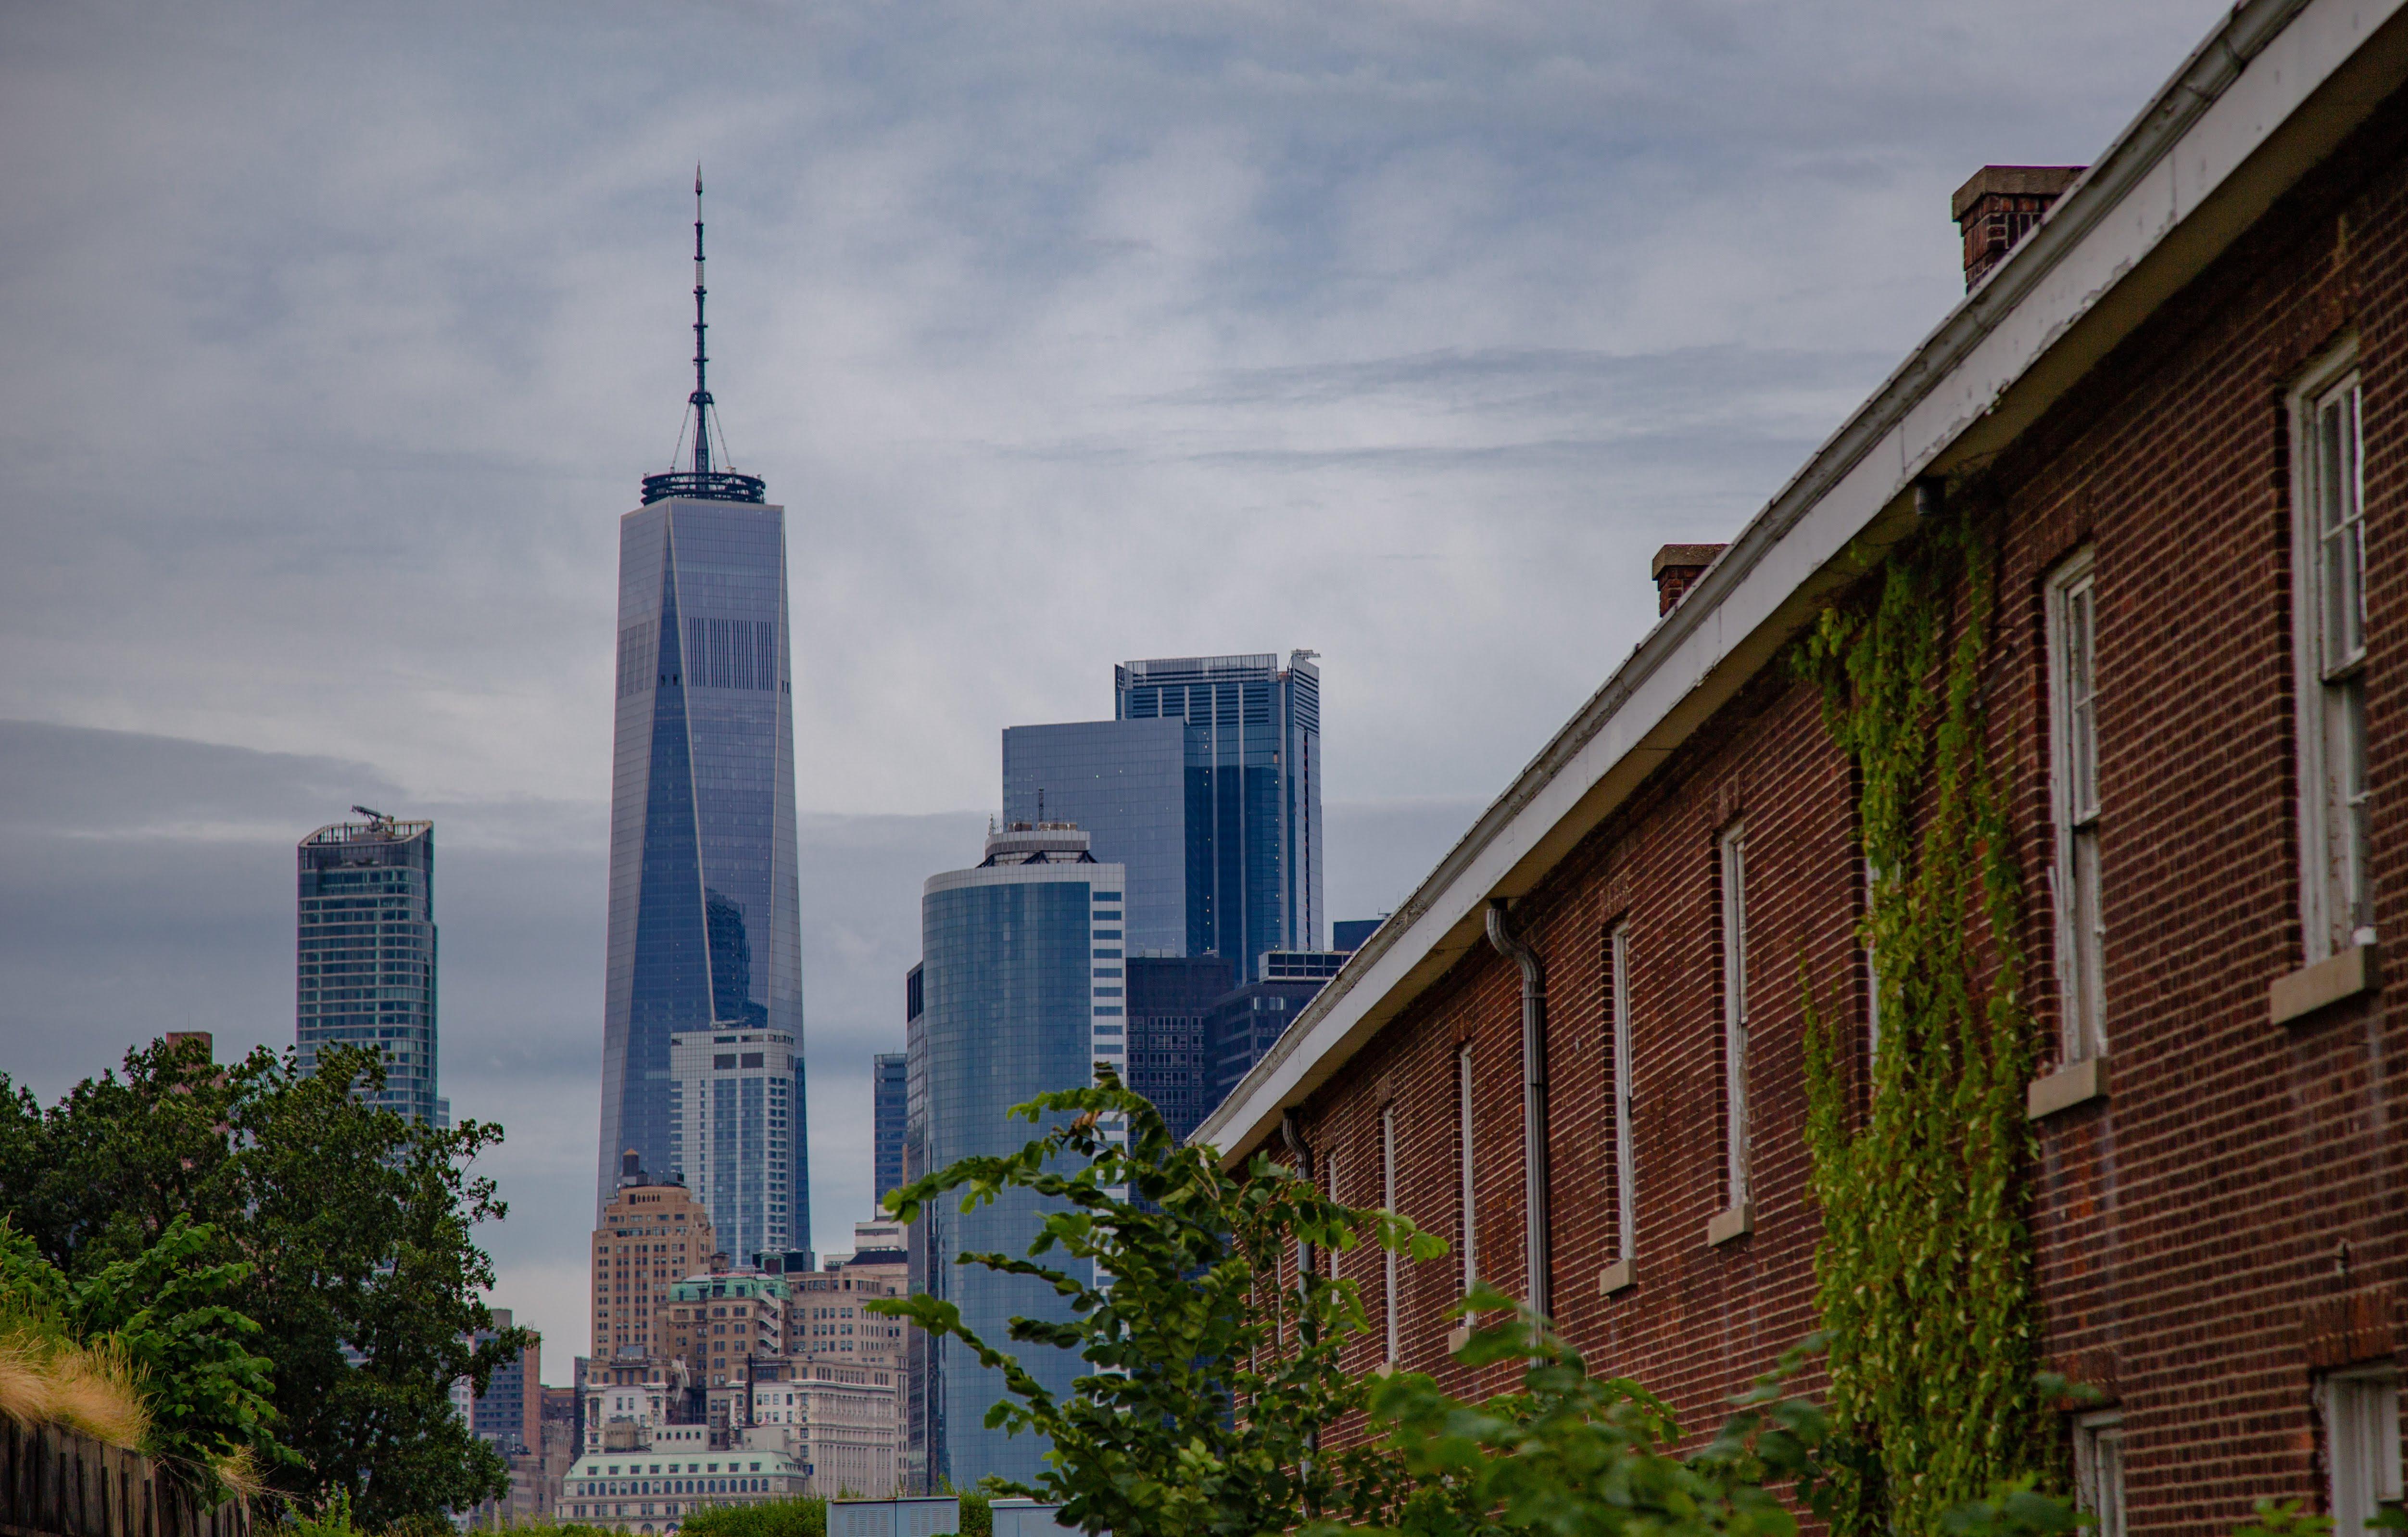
{"x":887,"y":1112}
{"x":1170,"y":1061}
{"x":923,"y":1446}
{"x":364,"y":972}
{"x":1017,"y":997}
{"x":704,"y":930}
{"x":1253,"y":788}
{"x":1125,"y":784}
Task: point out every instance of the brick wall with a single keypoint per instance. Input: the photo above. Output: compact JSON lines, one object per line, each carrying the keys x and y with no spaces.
{"x":2235,"y":1215}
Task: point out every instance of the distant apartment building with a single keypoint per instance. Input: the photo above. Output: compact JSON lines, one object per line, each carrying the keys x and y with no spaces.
{"x":735,"y":1103}
{"x":653,"y":1234}
{"x":1023,"y":989}
{"x":365,"y":962}
{"x":890,"y":1090}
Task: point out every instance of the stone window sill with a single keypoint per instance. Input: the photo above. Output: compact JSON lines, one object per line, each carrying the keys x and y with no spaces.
{"x":2074,"y":1083}
{"x":1618,"y":1276}
{"x":1729,"y":1225}
{"x":1457,"y":1337}
{"x":2327,"y":983}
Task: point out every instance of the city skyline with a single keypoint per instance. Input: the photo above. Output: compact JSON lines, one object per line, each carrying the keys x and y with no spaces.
{"x":1321,"y":334}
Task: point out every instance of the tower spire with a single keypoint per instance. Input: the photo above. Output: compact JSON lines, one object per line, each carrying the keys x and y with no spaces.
{"x":700,"y":399}
{"x":703,"y":481}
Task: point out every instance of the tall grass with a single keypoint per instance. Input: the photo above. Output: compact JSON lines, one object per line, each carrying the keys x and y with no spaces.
{"x":93,"y":1390}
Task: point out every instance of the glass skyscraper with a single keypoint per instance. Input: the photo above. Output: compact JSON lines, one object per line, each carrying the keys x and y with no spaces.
{"x":365,"y":969}
{"x":704,"y":935}
{"x":1124,"y":783}
{"x":1252,"y":776}
{"x":889,"y":1079}
{"x":1020,"y":991}
{"x":1207,"y":784}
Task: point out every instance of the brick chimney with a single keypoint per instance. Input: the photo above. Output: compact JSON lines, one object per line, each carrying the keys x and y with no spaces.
{"x":1999,"y":206}
{"x":1676,"y":567}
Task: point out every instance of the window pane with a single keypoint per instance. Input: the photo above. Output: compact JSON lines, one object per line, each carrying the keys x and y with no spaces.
{"x":2089,"y":940}
{"x":2082,"y":736}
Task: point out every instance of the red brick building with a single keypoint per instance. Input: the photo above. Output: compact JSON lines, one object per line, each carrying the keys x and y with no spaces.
{"x":2183,"y":395}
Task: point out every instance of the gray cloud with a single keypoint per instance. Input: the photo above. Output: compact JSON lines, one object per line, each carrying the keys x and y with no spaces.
{"x":336,"y":339}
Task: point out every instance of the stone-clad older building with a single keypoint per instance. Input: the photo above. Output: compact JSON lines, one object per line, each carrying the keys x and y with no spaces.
{"x":2170,"y":412}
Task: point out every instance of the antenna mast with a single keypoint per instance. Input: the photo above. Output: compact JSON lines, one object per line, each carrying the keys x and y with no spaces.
{"x":703,"y":481}
{"x":700,"y":399}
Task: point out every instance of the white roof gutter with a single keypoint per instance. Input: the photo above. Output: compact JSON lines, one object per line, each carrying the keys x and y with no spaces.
{"x":2271,"y":91}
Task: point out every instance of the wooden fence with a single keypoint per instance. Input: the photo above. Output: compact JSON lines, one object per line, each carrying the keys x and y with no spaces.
{"x":57,"y":1484}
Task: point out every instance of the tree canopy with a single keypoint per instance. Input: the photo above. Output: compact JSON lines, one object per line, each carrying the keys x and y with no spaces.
{"x":343,"y":1231}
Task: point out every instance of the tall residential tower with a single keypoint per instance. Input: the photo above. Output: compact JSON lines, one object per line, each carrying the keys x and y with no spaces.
{"x":365,"y":954}
{"x":704,"y":932}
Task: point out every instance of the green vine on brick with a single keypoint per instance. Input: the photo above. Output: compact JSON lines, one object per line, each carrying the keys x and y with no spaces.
{"x":1924,"y":1272}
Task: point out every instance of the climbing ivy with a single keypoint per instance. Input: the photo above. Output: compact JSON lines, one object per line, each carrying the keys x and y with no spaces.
{"x":1924,"y":1272}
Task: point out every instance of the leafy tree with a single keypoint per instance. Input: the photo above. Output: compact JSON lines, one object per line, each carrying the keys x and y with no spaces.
{"x":1213,"y":1374}
{"x":352,"y":1225}
{"x":801,"y":1517}
{"x":1569,"y":1454}
{"x":169,"y":1309}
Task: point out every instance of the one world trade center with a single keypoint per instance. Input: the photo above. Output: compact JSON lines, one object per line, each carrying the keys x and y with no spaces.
{"x":702,"y":1070}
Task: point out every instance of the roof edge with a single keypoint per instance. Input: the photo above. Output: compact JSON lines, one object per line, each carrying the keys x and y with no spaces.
{"x":2084,"y":279}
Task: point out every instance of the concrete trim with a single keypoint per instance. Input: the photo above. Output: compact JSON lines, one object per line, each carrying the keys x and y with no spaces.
{"x":2074,"y":1083}
{"x":1619,"y":1276}
{"x":1457,"y":1337}
{"x":2355,"y":970}
{"x":1732,"y":1224}
{"x":2265,"y":97}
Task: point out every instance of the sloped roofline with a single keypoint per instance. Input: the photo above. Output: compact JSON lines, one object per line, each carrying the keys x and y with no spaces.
{"x":2271,"y":91}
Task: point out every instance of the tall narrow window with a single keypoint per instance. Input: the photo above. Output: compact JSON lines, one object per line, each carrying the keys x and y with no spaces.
{"x":2099,"y":1468}
{"x":2330,"y":627}
{"x":1735,"y":1122}
{"x":1331,"y":1164}
{"x":2362,"y":1445}
{"x":1626,"y":1187}
{"x":2073,"y":803}
{"x":1463,"y":1152}
{"x":1388,"y":1202}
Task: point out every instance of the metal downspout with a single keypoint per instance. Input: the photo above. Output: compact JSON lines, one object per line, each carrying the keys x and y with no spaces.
{"x":1537,"y":1257}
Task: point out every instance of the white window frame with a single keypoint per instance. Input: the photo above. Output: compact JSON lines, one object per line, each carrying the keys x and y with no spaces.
{"x":2098,"y":1470}
{"x":2072,"y":602}
{"x":2329,"y":649}
{"x":1626,"y":1183}
{"x":1389,"y":1203}
{"x":1733,"y":849}
{"x":2361,"y":1410}
{"x":1872,"y":979}
{"x":1463,"y":1132}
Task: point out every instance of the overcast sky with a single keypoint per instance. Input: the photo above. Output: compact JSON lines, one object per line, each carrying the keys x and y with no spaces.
{"x":336,"y":339}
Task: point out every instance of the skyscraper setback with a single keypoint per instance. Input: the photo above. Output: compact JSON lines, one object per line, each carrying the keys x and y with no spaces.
{"x":365,"y":970}
{"x":705,"y":936}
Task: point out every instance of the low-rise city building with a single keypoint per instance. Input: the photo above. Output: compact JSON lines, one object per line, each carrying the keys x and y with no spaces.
{"x":652,"y":1488}
{"x":652,"y":1233}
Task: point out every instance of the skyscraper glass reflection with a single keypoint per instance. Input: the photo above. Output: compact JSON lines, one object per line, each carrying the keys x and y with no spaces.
{"x":365,"y":969}
{"x":1252,"y":782}
{"x":1021,"y":992}
{"x":704,"y":934}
